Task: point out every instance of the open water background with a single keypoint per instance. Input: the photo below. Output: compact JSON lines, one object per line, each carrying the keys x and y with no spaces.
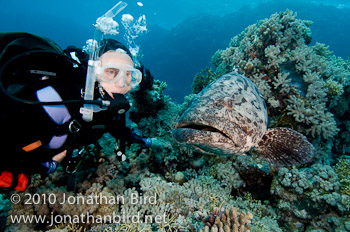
{"x":183,"y":35}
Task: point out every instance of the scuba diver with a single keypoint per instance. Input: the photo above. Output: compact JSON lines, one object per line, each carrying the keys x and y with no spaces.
{"x":42,"y":92}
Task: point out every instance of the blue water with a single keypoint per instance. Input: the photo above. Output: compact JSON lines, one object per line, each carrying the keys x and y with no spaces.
{"x":183,"y":35}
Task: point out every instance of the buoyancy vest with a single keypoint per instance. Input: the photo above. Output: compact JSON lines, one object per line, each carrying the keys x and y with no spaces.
{"x":28,"y":65}
{"x":35,"y":68}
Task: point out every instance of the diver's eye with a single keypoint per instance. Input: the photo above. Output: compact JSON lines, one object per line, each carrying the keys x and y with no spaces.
{"x":128,"y":75}
{"x":111,"y":73}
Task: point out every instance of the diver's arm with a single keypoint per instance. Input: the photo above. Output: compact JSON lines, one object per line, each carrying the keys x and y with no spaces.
{"x":60,"y":156}
{"x":51,"y":165}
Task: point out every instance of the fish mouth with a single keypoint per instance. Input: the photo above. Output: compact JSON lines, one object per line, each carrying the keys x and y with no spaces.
{"x":204,"y":138}
{"x":200,"y":128}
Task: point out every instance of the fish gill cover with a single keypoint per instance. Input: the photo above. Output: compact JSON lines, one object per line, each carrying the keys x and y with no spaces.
{"x":306,"y":88}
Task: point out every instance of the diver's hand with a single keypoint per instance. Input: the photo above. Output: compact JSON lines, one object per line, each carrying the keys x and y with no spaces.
{"x":156,"y":143}
{"x":119,"y":104}
{"x":137,"y":137}
{"x":60,"y":156}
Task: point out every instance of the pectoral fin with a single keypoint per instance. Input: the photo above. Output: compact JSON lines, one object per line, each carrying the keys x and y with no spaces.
{"x":284,"y":146}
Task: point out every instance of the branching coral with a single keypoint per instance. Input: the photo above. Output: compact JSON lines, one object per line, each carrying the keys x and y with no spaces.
{"x":334,"y":88}
{"x":4,"y":203}
{"x":282,"y":83}
{"x":4,"y":208}
{"x":307,"y":195}
{"x":228,"y":175}
{"x":202,"y":79}
{"x":229,"y":220}
{"x":304,"y":81}
{"x":148,"y":100}
{"x":316,"y":119}
{"x":342,"y":168}
{"x":69,"y":228}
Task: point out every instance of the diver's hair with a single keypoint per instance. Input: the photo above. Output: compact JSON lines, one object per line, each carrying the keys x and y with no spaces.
{"x":111,"y":44}
{"x":119,"y":50}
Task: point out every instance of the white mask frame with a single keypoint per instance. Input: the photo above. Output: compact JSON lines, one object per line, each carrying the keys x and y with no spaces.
{"x":114,"y":73}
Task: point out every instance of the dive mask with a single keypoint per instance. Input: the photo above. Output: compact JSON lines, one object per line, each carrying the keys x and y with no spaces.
{"x":120,"y":73}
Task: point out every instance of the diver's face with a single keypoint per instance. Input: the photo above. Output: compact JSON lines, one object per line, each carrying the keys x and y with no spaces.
{"x":115,"y":80}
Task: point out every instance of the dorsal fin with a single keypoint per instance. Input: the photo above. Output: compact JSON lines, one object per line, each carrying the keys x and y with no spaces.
{"x":284,"y":146}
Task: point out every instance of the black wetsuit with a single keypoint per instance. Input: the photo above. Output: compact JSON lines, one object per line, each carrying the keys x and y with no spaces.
{"x":24,"y":124}
{"x":24,"y":59}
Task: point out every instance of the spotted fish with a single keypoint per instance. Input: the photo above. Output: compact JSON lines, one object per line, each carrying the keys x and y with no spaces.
{"x":229,"y":117}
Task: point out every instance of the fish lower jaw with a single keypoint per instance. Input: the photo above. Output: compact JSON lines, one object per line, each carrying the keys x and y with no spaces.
{"x":202,"y":138}
{"x":206,"y":142}
{"x":200,"y":127}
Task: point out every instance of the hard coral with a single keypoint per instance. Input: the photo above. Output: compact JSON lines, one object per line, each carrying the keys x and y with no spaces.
{"x":304,"y":81}
{"x":229,"y":220}
{"x":149,"y":98}
{"x":308,"y":195}
{"x":342,"y":168}
{"x":202,"y":79}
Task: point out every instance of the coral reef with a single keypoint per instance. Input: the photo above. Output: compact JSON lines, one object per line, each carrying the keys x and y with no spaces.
{"x":183,"y":206}
{"x":310,"y":196}
{"x":305,"y":82}
{"x":4,"y":203}
{"x":4,"y":208}
{"x":228,"y":220}
{"x":202,"y":79}
{"x":171,"y":188}
{"x":148,"y":99}
{"x":342,"y":168}
{"x":305,"y":88}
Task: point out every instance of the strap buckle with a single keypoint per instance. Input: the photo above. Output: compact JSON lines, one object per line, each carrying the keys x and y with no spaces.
{"x":71,"y":167}
{"x":74,"y":126}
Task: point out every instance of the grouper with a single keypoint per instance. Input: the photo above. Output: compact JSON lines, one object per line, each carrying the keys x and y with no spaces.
{"x":229,"y":117}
